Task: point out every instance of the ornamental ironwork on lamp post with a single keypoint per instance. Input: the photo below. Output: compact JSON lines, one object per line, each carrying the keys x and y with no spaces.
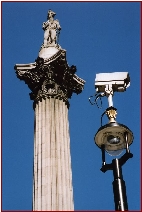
{"x":113,"y":137}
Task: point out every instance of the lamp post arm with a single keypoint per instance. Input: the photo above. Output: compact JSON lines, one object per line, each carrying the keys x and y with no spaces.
{"x":106,"y":167}
{"x":122,"y":161}
{"x":124,"y":158}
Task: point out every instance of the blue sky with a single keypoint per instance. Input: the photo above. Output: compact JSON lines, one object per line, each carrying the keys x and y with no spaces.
{"x":99,"y":37}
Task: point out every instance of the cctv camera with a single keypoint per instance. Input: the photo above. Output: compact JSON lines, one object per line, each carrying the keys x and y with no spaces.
{"x":118,"y":81}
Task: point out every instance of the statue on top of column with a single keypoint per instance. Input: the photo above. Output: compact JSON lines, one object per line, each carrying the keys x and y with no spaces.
{"x":51,"y":30}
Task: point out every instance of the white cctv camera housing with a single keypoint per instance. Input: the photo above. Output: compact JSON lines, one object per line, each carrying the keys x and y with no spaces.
{"x":118,"y":81}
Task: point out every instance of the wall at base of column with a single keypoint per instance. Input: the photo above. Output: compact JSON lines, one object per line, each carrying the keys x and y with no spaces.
{"x":52,"y":186}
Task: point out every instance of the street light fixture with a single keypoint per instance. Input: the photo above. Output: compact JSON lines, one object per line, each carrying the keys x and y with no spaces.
{"x":113,"y":137}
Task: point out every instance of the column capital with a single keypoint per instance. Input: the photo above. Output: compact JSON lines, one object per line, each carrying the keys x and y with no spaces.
{"x":50,"y":77}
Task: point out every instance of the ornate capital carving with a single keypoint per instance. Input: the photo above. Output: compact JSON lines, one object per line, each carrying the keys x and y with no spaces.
{"x":50,"y":78}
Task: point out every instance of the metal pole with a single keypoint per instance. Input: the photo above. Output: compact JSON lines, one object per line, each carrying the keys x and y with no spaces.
{"x":110,"y":102}
{"x":119,"y":188}
{"x":103,"y":155}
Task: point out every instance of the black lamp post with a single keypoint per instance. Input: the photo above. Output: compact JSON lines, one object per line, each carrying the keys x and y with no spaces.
{"x":113,"y":137}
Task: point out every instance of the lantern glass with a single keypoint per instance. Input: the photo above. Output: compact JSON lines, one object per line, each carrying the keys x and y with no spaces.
{"x":112,"y":136}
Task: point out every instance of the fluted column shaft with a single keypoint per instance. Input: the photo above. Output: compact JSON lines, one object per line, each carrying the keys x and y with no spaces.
{"x":52,"y":187}
{"x":52,"y":82}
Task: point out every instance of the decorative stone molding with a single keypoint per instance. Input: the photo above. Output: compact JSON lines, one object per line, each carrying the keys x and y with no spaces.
{"x":50,"y":78}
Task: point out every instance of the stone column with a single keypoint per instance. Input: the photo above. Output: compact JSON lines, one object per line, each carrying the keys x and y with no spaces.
{"x":52,"y":83}
{"x":52,"y":163}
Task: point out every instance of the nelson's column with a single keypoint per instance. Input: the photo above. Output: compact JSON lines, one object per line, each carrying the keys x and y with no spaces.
{"x":52,"y":82}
